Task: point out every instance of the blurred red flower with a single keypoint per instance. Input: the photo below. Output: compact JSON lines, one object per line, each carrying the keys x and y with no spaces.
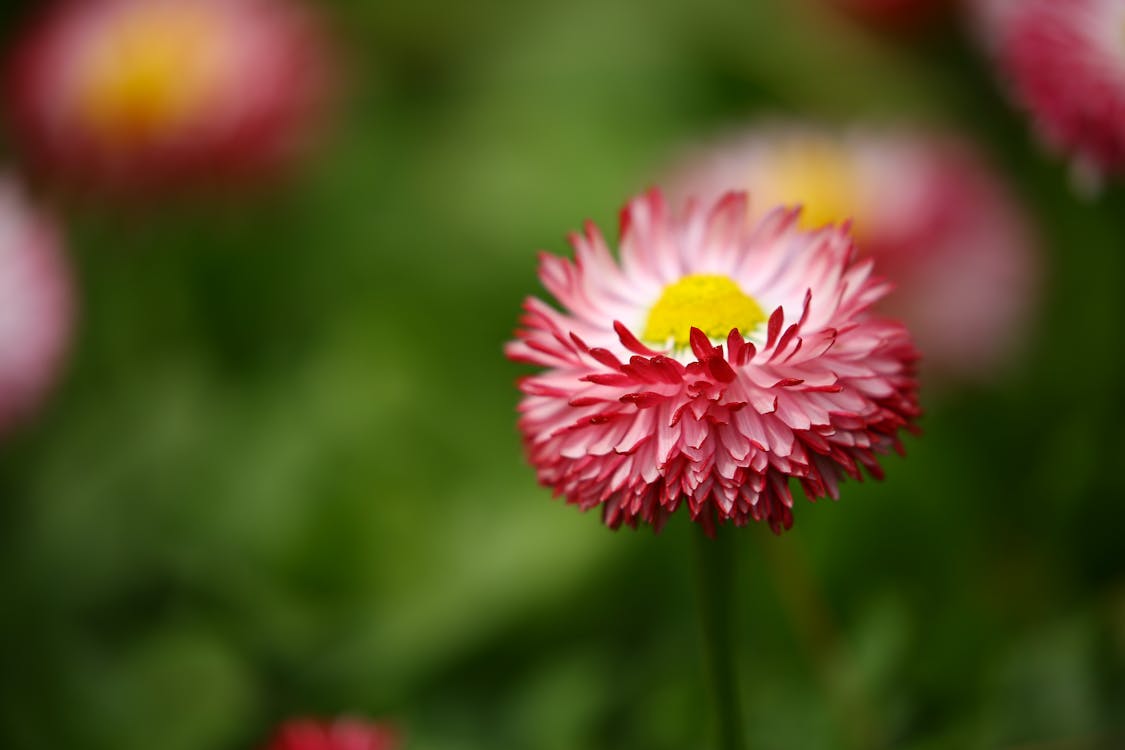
{"x":36,"y":305}
{"x":341,"y":734}
{"x":136,"y":95}
{"x":928,"y":207}
{"x":1064,"y":62}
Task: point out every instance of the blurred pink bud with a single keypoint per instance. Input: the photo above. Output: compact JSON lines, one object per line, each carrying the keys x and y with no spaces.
{"x":131,"y":96}
{"x":341,"y":734}
{"x":36,"y":306}
{"x":939,"y":222}
{"x":1064,"y":62}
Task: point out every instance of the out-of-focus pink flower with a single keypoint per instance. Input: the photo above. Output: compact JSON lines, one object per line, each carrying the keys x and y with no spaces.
{"x":719,"y":359}
{"x":136,"y":95}
{"x":342,"y":734}
{"x":938,"y":220}
{"x":36,"y":305}
{"x":1064,"y":62}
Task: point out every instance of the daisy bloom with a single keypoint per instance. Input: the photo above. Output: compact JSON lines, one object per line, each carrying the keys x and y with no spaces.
{"x":341,"y":734}
{"x":718,"y":360}
{"x":135,"y":95}
{"x":36,"y":305}
{"x":939,"y":221}
{"x":1064,"y":62}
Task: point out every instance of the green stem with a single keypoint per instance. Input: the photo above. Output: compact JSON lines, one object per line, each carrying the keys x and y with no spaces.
{"x":716,"y":572}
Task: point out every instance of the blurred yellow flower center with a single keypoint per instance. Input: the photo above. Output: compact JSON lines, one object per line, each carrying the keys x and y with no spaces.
{"x":710,"y":302}
{"x":151,"y":71}
{"x":817,"y":175}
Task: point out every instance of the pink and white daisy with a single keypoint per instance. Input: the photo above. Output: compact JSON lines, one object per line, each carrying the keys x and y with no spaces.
{"x":1064,"y":62}
{"x":342,"y":734}
{"x":939,"y":221}
{"x":135,"y":95}
{"x":719,"y":359}
{"x":36,"y":306}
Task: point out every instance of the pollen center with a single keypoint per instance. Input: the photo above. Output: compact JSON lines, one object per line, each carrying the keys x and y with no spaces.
{"x":710,"y":302}
{"x":819,"y":177}
{"x":152,"y":71}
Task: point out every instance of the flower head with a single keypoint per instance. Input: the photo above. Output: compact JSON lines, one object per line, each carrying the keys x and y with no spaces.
{"x":937,"y":219}
{"x":718,"y":360}
{"x":342,"y":734}
{"x":36,"y":305}
{"x":131,"y":95}
{"x":1065,"y":63}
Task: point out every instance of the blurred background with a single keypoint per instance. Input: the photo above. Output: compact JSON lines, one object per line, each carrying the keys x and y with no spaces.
{"x":280,"y":473}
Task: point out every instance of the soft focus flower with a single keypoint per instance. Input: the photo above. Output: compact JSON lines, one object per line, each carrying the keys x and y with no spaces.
{"x":130,"y":95}
{"x":939,"y":222}
{"x":342,"y":734}
{"x":1065,"y":63}
{"x":36,"y":305}
{"x":718,"y":360}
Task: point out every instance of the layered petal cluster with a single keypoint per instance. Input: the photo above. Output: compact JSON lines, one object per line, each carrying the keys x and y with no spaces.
{"x":1064,"y":62}
{"x":141,"y":95}
{"x":939,"y":221}
{"x":728,"y":405}
{"x":342,"y":734}
{"x":36,"y":305}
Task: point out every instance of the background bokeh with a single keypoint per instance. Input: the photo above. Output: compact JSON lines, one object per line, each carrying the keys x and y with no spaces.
{"x":281,"y":475}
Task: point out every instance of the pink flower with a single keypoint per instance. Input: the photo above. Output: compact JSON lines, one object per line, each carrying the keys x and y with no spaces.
{"x":135,"y":95}
{"x":938,"y":220}
{"x":1065,"y":63}
{"x":36,"y":306}
{"x":718,"y":360}
{"x":342,"y":734}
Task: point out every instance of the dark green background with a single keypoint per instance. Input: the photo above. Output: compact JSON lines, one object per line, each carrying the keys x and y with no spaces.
{"x":281,"y":475}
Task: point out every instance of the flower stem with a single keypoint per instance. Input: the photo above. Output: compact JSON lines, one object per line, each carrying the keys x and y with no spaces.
{"x":716,"y":559}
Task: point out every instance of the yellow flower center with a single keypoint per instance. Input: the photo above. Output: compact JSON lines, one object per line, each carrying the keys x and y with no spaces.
{"x":710,"y":302}
{"x":151,"y":71}
{"x":819,"y":176}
